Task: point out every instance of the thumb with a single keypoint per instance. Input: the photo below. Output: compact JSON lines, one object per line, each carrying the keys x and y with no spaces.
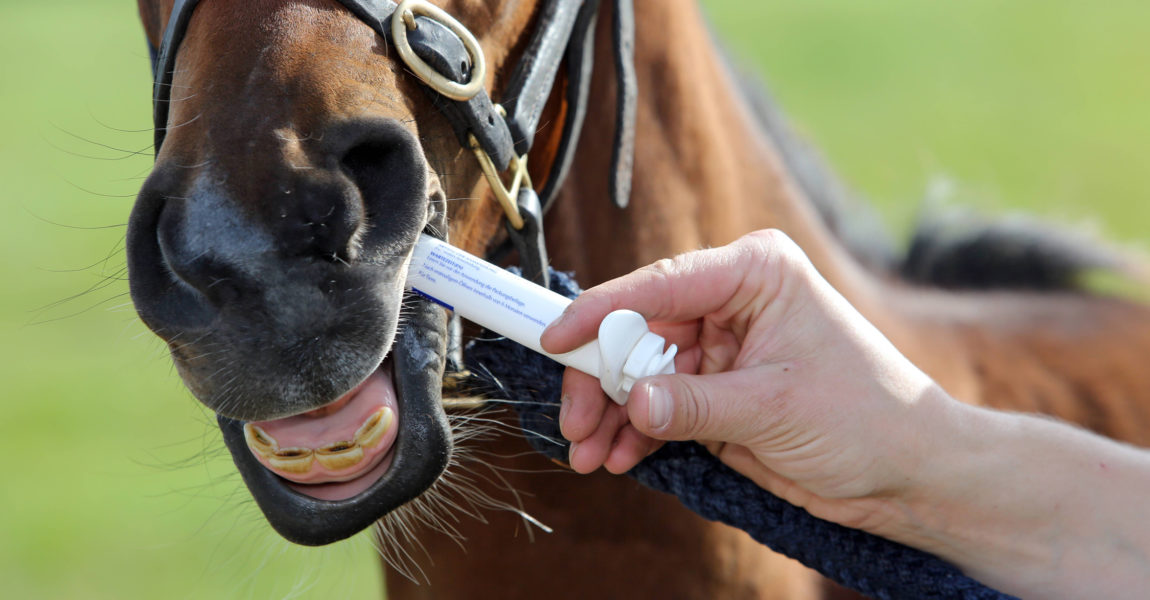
{"x":725,"y":407}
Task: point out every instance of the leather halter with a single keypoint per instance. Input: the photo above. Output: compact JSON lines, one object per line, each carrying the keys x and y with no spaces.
{"x":503,"y":134}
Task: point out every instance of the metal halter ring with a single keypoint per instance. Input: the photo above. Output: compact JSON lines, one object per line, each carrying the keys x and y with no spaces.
{"x":403,"y":19}
{"x":506,"y":195}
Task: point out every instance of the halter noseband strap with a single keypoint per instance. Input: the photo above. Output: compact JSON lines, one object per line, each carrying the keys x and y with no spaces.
{"x":500,"y":136}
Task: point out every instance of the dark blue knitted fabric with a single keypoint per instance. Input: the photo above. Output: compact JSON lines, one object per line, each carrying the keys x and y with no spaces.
{"x":871,"y":565}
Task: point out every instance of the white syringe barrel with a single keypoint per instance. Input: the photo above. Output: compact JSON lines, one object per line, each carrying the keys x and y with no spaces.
{"x":492,"y":298}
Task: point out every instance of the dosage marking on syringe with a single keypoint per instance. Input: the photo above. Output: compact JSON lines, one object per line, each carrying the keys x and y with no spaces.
{"x":464,"y":276}
{"x":455,"y":273}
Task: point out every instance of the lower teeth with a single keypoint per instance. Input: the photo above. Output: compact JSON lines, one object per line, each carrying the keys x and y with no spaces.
{"x":333,"y":457}
{"x":292,"y":460}
{"x":346,"y":457}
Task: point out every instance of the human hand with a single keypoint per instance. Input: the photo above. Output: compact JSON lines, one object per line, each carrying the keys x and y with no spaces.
{"x":784,"y":381}
{"x":777,"y":374}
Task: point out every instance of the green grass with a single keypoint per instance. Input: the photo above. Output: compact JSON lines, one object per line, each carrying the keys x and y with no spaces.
{"x":1031,"y":105}
{"x":116,"y":487}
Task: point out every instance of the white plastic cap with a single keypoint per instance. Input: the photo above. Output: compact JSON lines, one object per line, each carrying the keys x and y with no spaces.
{"x":628,"y":351}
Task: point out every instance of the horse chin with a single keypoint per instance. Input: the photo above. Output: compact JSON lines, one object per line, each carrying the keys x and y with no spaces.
{"x":418,"y":453}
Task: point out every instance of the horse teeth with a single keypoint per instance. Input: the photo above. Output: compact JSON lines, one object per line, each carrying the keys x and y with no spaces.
{"x":336,"y":456}
{"x":259,"y":441}
{"x":292,"y":460}
{"x":339,"y":456}
{"x":371,"y":432}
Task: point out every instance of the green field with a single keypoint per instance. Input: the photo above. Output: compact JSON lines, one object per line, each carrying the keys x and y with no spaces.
{"x":118,"y":488}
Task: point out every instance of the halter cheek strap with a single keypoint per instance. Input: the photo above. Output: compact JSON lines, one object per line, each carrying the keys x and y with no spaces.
{"x":444,"y":55}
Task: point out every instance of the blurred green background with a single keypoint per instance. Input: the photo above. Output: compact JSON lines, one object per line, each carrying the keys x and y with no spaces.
{"x":117,"y":487}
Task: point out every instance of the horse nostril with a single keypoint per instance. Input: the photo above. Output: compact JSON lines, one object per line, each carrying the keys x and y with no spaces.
{"x":377,"y":167}
{"x":367,"y":163}
{"x":385,"y":163}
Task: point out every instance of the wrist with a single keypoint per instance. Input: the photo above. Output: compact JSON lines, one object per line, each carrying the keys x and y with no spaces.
{"x":1026,"y":504}
{"x":934,"y":451}
{"x":966,"y":459}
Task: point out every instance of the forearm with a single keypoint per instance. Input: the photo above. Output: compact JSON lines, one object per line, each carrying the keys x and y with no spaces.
{"x":1034,"y":507}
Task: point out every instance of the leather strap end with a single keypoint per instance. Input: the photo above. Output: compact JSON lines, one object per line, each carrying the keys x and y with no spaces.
{"x":627,"y":89}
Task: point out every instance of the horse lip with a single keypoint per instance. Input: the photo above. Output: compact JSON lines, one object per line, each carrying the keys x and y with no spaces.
{"x":421,"y":450}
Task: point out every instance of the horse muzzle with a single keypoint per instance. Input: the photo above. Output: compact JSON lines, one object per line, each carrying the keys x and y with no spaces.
{"x":278,"y":286}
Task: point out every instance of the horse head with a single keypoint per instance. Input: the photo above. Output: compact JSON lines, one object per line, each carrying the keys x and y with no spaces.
{"x":298,"y":160}
{"x":301,"y":152}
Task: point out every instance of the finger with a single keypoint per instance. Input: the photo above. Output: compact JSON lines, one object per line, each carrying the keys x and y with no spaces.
{"x":590,"y":454}
{"x":582,"y":405}
{"x":630,"y":447}
{"x":687,"y":359}
{"x":668,"y":290}
{"x":735,"y":406}
{"x":719,"y":349}
{"x":680,"y":333}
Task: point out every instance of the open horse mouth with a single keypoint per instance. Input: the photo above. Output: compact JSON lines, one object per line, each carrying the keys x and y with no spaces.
{"x":331,"y":472}
{"x":269,"y":246}
{"x":325,"y":473}
{"x":293,"y":326}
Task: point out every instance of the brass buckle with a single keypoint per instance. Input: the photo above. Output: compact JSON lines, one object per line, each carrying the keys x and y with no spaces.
{"x":403,"y":19}
{"x":506,"y":195}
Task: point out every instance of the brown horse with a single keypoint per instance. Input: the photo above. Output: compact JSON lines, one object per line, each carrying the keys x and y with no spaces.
{"x":302,"y":159}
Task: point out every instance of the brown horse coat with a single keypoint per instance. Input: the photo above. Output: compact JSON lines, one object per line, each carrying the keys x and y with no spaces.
{"x":260,"y":83}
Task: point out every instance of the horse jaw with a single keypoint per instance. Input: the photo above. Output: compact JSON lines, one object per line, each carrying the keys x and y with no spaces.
{"x":420,"y":454}
{"x":343,"y":341}
{"x":333,"y":68}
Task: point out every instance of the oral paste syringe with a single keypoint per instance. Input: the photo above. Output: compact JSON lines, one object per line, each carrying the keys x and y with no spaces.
{"x":625,"y":351}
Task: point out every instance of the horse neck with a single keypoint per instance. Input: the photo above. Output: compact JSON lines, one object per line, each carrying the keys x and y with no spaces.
{"x":704,"y":174}
{"x":705,"y":171}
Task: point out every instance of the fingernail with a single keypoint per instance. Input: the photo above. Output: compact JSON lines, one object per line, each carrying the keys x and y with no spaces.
{"x":658,"y":407}
{"x":557,"y":322}
{"x":564,"y":405}
{"x":571,"y":453}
